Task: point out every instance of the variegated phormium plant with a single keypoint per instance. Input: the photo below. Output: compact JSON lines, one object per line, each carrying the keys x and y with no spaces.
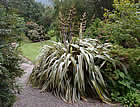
{"x":73,"y":72}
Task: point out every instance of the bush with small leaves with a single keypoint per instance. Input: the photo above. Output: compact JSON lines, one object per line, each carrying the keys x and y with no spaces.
{"x":121,"y":26}
{"x":11,"y":28}
{"x":35,"y":32}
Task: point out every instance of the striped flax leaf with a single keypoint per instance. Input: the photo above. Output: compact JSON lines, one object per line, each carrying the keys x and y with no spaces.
{"x":74,"y":71}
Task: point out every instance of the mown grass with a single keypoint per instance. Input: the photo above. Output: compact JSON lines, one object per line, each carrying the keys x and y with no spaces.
{"x":31,"y":50}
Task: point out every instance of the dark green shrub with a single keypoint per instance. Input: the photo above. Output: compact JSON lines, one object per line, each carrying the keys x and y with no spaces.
{"x":122,"y":26}
{"x":131,"y":59}
{"x":11,"y":28}
{"x":35,"y":32}
{"x":121,"y":86}
{"x":92,"y":30}
{"x":125,"y":88}
{"x":130,"y":99}
{"x":9,"y":70}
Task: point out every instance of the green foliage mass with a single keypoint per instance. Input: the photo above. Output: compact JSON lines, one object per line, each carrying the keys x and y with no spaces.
{"x":11,"y":28}
{"x":11,"y":25}
{"x":35,"y":32}
{"x":33,"y":11}
{"x":130,"y":84}
{"x":122,"y":26}
{"x":29,"y":9}
{"x":47,"y":19}
{"x":91,"y":7}
{"x":131,"y":58}
{"x":9,"y":70}
{"x":51,"y":33}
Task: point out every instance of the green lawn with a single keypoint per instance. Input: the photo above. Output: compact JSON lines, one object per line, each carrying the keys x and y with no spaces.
{"x":31,"y":50}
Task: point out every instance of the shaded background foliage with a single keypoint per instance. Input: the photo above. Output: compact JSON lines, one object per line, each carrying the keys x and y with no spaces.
{"x":121,"y":26}
{"x":29,"y":9}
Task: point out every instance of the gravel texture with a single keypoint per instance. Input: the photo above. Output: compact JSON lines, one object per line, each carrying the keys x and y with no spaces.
{"x":31,"y":97}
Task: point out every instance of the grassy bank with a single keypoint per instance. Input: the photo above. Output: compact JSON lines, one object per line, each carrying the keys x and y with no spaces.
{"x":31,"y":50}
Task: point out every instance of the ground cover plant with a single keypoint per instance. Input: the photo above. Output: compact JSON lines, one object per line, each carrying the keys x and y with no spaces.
{"x":127,"y":87}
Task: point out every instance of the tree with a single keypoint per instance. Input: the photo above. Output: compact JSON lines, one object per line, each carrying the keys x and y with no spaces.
{"x":29,"y":9}
{"x":47,"y":18}
{"x":93,"y":8}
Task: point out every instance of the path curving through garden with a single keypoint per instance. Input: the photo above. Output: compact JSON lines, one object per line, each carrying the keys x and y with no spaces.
{"x":31,"y":97}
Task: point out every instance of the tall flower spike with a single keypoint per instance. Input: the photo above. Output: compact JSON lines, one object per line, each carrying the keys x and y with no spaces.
{"x":82,"y":25}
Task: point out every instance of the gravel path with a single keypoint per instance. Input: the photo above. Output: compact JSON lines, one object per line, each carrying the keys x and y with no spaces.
{"x":31,"y":97}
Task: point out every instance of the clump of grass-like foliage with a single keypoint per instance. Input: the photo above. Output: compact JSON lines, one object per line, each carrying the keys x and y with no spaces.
{"x":73,"y":71}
